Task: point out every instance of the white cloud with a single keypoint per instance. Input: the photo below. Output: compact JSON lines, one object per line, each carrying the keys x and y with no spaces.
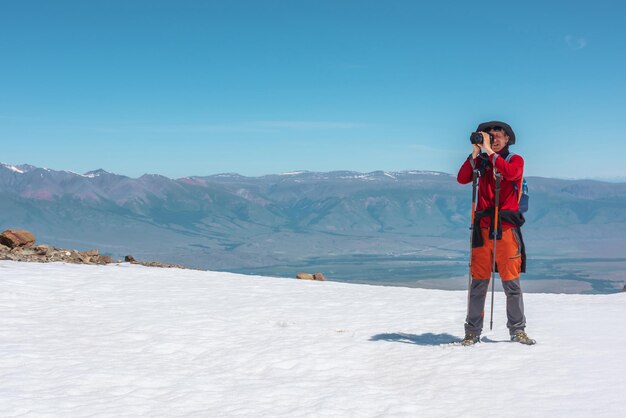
{"x":575,"y":42}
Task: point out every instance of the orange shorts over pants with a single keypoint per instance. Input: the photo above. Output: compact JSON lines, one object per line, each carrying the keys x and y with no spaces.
{"x":508,"y":256}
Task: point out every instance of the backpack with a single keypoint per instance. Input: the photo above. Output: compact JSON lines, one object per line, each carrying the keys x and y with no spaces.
{"x":521,"y":188}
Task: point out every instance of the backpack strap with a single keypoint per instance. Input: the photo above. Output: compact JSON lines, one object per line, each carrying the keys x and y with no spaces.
{"x":518,"y":188}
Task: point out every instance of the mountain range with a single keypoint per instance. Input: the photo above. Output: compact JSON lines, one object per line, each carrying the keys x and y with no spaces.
{"x":408,"y":228}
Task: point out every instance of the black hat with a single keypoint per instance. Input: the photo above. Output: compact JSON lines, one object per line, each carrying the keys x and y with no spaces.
{"x":483,"y":127}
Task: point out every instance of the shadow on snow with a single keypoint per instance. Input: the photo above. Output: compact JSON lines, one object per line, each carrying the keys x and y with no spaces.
{"x":427,"y":338}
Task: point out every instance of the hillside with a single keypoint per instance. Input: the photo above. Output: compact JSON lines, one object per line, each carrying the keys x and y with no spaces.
{"x":408,"y":226}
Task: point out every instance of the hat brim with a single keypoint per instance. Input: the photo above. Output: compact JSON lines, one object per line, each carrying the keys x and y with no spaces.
{"x":507,"y":129}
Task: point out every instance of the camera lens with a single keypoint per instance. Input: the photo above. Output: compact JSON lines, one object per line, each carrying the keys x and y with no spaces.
{"x":476,"y":138}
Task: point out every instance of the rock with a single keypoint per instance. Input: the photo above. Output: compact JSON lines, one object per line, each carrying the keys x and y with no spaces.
{"x":624,"y":289}
{"x":76,"y":257}
{"x":17,"y":245}
{"x":14,"y":238}
{"x":41,"y":249}
{"x":104,"y":259}
{"x":319,"y":277}
{"x":160,"y":265}
{"x":25,"y":252}
{"x":8,"y":256}
{"x":304,"y":276}
{"x":88,"y":257}
{"x":5,"y":252}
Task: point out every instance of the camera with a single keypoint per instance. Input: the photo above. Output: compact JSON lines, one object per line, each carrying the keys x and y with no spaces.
{"x":477,"y":138}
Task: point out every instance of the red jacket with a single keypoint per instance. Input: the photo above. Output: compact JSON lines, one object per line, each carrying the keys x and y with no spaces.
{"x":512,"y":173}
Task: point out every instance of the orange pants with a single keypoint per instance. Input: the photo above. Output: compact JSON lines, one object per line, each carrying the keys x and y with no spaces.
{"x":508,"y":257}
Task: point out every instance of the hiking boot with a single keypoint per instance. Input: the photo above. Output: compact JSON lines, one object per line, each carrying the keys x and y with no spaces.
{"x":522,"y":338}
{"x":470,"y":339}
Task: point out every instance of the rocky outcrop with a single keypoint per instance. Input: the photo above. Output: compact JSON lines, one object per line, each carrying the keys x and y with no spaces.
{"x":18,"y":245}
{"x":131,"y":259}
{"x":49,"y":254}
{"x":307,"y":276}
{"x":157,"y":264}
{"x":15,"y":238}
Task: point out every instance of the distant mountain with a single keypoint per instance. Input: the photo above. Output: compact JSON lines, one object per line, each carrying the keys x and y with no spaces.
{"x":278,"y":224}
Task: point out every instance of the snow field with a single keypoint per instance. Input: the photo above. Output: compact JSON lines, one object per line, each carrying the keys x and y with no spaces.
{"x":127,"y":340}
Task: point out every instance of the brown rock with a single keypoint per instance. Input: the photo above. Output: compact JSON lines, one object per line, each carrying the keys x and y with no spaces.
{"x":25,"y":252}
{"x":319,"y":277}
{"x":8,"y":256}
{"x":160,"y":265}
{"x":75,"y":257}
{"x":41,"y":249}
{"x":304,"y":276}
{"x":14,"y":238}
{"x":18,"y":245}
{"x":87,"y":257}
{"x":104,"y":259}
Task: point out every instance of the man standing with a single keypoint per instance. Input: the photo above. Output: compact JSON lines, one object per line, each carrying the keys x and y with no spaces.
{"x":496,"y":161}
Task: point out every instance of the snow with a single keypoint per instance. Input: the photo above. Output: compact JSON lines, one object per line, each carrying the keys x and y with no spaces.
{"x":12,"y":168}
{"x":94,"y":174}
{"x":228,"y":175}
{"x":368,"y":177}
{"x":293,"y":173}
{"x":126,"y":340}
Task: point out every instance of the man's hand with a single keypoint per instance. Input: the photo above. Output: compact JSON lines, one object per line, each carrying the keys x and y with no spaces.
{"x":475,"y":151}
{"x":486,"y":145}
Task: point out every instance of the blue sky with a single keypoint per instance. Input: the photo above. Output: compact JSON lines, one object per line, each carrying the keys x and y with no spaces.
{"x":257,"y":87}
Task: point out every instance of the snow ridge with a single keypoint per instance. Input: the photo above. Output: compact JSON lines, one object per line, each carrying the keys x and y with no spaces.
{"x":12,"y":168}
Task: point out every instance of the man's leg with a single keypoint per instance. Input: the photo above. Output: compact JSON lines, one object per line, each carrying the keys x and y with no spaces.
{"x":481,"y":272}
{"x":516,"y":321}
{"x":509,"y":265}
{"x":476,"y":308}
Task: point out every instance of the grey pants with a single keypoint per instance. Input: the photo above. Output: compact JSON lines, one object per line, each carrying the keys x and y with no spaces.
{"x":514,"y":306}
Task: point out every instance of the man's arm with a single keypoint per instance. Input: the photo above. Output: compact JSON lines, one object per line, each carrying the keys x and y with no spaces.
{"x":513,"y":170}
{"x":510,"y":171}
{"x":465,"y":172}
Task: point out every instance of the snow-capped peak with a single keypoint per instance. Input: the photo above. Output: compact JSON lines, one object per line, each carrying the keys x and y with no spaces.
{"x":12,"y":168}
{"x":95,"y":173}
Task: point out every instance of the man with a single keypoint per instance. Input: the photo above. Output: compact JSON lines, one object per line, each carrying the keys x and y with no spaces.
{"x":510,"y":254}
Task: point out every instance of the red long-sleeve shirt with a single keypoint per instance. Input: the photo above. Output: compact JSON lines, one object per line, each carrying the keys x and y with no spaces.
{"x":512,"y":173}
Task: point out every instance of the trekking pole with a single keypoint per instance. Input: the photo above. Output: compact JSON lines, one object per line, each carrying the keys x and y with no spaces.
{"x":496,"y":220}
{"x":475,"y":176}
